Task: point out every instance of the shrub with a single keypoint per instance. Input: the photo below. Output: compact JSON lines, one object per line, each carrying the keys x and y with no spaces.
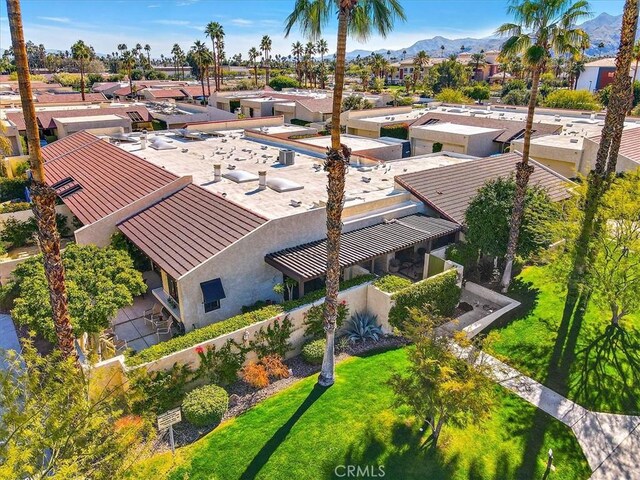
{"x":363,"y":326}
{"x":441,"y":293}
{"x":392,"y":283}
{"x":205,"y":405}
{"x":274,"y":367}
{"x":14,"y":207}
{"x":479,"y":91}
{"x":572,"y":99}
{"x":318,"y":294}
{"x":157,"y":392}
{"x":282,"y":81}
{"x":400,"y":130}
{"x":511,"y":85}
{"x":255,"y":374}
{"x":12,"y":189}
{"x":462,"y":253}
{"x":140,"y":260}
{"x":516,"y":97}
{"x":273,"y":340}
{"x":17,"y":233}
{"x":450,"y":95}
{"x":220,"y":366}
{"x":314,"y":319}
{"x":297,"y":121}
{"x":313,"y":351}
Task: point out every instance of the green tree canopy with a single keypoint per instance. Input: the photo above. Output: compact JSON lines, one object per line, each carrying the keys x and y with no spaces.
{"x":52,"y":427}
{"x":99,"y":281}
{"x":488,"y":214}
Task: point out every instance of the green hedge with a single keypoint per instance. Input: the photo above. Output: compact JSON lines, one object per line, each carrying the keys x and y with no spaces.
{"x":15,"y":207}
{"x":297,"y":121}
{"x":441,"y":293}
{"x":400,"y":130}
{"x":229,"y":325}
{"x":392,"y":283}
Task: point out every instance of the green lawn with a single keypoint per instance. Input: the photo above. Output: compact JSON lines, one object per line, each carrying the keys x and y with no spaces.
{"x":584,"y":358}
{"x":304,"y":432}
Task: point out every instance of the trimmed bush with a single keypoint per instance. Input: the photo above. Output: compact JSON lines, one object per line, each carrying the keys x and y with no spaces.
{"x":282,"y":81}
{"x":440,"y":293}
{"x":572,"y":99}
{"x":14,"y":207}
{"x":12,"y":188}
{"x":400,"y":130}
{"x":313,"y":351}
{"x":205,"y":405}
{"x":450,"y":95}
{"x":392,"y":283}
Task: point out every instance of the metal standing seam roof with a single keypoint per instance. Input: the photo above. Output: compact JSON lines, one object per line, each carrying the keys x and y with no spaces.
{"x":110,"y":177}
{"x":188,"y":227}
{"x":629,"y":143}
{"x":449,"y":189}
{"x":46,"y":117}
{"x":510,"y":128}
{"x":70,"y":98}
{"x":308,"y":261}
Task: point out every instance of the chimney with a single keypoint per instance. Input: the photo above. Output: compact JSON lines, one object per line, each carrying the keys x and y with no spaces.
{"x":217,"y":172}
{"x":262,"y":179}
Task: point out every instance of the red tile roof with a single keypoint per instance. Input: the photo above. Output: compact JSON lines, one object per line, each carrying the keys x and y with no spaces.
{"x":187,"y":228}
{"x":166,"y":93}
{"x":110,"y":177}
{"x":193,"y":91}
{"x":629,"y":143}
{"x":45,"y":118}
{"x":70,"y":98}
{"x":449,"y":189}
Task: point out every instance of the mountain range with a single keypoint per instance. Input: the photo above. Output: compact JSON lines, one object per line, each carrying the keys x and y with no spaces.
{"x":604,"y":29}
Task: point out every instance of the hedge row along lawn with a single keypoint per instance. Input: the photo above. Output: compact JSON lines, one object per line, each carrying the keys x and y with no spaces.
{"x":596,"y":365}
{"x":305,"y":432}
{"x":231,"y":325}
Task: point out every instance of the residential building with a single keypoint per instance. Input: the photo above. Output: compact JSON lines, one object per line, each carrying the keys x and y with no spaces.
{"x":598,"y":74}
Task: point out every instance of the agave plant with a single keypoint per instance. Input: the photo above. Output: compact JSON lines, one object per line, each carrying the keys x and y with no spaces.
{"x":363,"y":326}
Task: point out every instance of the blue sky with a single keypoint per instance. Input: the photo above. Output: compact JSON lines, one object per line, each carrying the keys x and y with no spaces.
{"x":161,"y":23}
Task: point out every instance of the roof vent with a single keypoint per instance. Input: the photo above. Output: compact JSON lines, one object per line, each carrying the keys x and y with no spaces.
{"x":287,"y":157}
{"x":295,"y":203}
{"x":573,"y":140}
{"x":240,"y":176}
{"x":282,"y":185}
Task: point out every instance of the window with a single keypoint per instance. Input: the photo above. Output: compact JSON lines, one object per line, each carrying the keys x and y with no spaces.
{"x":173,"y":288}
{"x":211,"y":306}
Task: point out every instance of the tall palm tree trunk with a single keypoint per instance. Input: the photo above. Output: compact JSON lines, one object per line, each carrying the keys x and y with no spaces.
{"x":220,"y":70}
{"x":43,"y":196}
{"x":600,"y":177}
{"x":635,"y":72}
{"x":215,"y":65}
{"x":82,"y":79}
{"x":202,"y":73}
{"x":336,"y":164}
{"x":523,"y":173}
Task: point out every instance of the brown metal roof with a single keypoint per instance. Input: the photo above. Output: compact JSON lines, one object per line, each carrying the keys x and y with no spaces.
{"x":189,"y":227}
{"x":449,"y":189}
{"x":70,"y":98}
{"x":166,"y":93}
{"x":110,"y":177}
{"x":629,"y":143}
{"x":45,"y":117}
{"x":510,"y":128}
{"x":309,"y":261}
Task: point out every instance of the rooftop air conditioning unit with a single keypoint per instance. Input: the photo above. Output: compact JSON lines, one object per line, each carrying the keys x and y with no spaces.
{"x":287,"y":157}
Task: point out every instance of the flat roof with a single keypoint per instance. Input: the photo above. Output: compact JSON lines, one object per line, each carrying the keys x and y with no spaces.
{"x":90,"y":118}
{"x":456,"y":128}
{"x":557,"y":141}
{"x":196,"y":158}
{"x":395,"y":118}
{"x":354,"y":142}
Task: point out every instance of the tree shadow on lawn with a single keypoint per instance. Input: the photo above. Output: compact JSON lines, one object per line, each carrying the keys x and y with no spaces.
{"x":526,"y":294}
{"x":269,"y":448}
{"x":610,"y":361}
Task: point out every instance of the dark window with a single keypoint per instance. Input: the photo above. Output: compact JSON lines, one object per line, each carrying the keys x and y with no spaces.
{"x":210,"y":306}
{"x":135,"y":116}
{"x":173,"y":288}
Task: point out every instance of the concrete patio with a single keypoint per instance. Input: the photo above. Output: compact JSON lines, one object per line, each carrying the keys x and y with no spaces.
{"x":130,"y":324}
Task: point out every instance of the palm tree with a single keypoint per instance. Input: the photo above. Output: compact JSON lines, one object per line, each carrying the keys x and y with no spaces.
{"x":478,"y":60}
{"x":147,"y":48}
{"x":265,"y":47}
{"x":129,"y":63}
{"x":177,"y":53}
{"x":298,"y":50}
{"x":42,"y":196}
{"x":81,"y":53}
{"x":360,"y":19}
{"x":600,"y":178}
{"x":215,"y":32}
{"x":309,"y":50}
{"x":558,"y":63}
{"x":636,"y":57}
{"x":203,"y":59}
{"x":541,"y":26}
{"x":253,"y":59}
{"x":322,"y":48}
{"x":420,"y":62}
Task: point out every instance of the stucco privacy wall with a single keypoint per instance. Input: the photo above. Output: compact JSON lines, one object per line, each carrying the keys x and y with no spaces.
{"x":237,"y":124}
{"x":355,"y":297}
{"x":99,"y":233}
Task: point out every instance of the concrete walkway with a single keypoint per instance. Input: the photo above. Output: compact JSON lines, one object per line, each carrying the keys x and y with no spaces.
{"x":611,"y":443}
{"x":8,"y":336}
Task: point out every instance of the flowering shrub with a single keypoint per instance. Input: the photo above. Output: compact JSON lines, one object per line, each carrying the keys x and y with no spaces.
{"x":220,"y":366}
{"x":255,"y":374}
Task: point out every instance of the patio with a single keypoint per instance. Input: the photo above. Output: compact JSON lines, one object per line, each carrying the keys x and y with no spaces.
{"x":130,"y":325}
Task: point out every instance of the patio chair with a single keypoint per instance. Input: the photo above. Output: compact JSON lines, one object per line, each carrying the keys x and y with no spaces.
{"x":153,"y":314}
{"x":163,"y":328}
